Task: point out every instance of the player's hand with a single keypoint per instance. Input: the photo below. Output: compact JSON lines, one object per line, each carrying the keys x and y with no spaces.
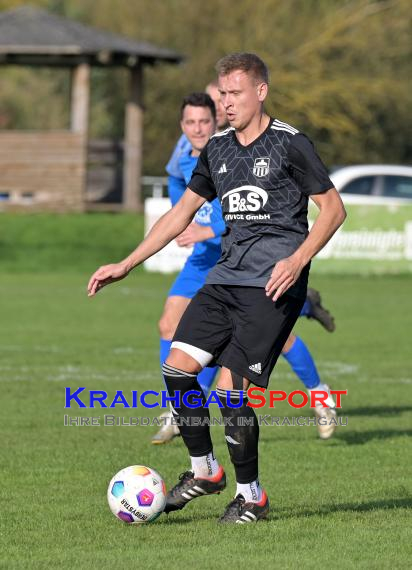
{"x":104,"y":276}
{"x":285,"y":273}
{"x":193,"y":234}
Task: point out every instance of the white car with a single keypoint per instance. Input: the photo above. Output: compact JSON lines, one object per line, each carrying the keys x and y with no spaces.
{"x":374,"y":184}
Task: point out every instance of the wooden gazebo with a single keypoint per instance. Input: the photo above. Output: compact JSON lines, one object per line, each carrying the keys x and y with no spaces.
{"x":46,"y":170}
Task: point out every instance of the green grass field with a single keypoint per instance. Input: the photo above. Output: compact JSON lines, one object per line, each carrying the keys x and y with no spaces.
{"x":342,"y":503}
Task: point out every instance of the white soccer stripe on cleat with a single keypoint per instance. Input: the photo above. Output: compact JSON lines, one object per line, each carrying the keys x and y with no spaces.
{"x":247,"y":517}
{"x":249,"y":514}
{"x":200,"y":490}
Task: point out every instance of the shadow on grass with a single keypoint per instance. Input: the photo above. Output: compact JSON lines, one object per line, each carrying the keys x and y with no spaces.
{"x":381,"y":411}
{"x":362,"y":437}
{"x":188,"y":519}
{"x":275,"y":515}
{"x":384,"y":504}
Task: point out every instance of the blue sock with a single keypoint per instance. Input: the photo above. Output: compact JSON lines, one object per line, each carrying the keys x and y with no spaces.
{"x":164,"y":350}
{"x":305,"y":309}
{"x":206,"y":378}
{"x":302,"y":363}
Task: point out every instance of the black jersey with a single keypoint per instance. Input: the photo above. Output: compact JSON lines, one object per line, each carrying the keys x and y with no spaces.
{"x":263,"y":188}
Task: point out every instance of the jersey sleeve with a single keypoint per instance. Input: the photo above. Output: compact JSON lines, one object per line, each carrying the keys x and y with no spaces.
{"x":306,"y":167}
{"x":201,"y":181}
{"x":176,"y":188}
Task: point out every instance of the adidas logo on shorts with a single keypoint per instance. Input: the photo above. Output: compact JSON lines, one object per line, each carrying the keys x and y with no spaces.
{"x":257,"y":368}
{"x":222,"y":169}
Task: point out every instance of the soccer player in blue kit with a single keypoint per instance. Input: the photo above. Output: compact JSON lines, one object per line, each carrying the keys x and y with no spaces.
{"x":200,"y":114}
{"x":198,"y":123}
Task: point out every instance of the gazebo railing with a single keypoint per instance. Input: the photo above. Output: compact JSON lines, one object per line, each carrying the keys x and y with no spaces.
{"x":104,"y":181}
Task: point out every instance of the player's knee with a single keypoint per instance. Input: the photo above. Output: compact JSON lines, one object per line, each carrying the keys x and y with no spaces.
{"x":182,"y":361}
{"x":167,"y":327}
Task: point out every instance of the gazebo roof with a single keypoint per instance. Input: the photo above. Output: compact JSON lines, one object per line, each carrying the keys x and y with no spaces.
{"x":31,"y":36}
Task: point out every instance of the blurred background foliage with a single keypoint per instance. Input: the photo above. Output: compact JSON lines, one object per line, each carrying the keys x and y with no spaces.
{"x":340,"y":70}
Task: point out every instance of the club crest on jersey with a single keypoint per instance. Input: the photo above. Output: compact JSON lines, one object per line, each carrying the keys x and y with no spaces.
{"x":261,"y":167}
{"x":204,"y":215}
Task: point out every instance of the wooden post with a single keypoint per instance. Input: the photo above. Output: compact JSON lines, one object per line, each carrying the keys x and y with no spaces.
{"x":79,"y":122}
{"x":132,"y":166}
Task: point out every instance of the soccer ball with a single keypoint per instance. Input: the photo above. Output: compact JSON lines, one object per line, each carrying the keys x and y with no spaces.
{"x":137,"y":494}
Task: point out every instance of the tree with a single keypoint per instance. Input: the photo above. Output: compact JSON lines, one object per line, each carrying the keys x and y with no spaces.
{"x":340,"y":69}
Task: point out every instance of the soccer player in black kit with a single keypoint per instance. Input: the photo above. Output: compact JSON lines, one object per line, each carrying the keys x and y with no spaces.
{"x":263,"y":172}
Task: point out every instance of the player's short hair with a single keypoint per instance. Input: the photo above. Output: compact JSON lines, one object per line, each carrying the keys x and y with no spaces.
{"x":250,"y":63}
{"x":198,"y":99}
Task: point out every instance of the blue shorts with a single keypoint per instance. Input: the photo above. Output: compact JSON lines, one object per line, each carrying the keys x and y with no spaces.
{"x":192,"y":277}
{"x":186,"y":285}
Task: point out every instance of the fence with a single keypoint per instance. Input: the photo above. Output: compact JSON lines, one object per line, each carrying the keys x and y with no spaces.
{"x":41,"y":171}
{"x":370,"y":244}
{"x":55,"y":171}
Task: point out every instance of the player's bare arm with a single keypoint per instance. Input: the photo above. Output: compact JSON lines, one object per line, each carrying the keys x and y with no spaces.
{"x":331,"y":216}
{"x":167,"y":228}
{"x":194,"y":233}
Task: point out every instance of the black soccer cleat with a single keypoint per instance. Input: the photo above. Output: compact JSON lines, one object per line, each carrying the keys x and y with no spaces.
{"x":241,"y":512}
{"x":318,"y":312}
{"x":190,"y":487}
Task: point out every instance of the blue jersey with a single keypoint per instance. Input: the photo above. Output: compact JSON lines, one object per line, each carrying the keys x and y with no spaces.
{"x":210,"y":214}
{"x":206,"y":253}
{"x":182,"y":146}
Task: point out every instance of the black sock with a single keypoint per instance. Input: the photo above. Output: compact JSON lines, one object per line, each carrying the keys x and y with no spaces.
{"x":242,"y":434}
{"x":196,"y":437}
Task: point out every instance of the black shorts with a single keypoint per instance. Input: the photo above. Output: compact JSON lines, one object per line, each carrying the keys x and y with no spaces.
{"x":242,"y":328}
